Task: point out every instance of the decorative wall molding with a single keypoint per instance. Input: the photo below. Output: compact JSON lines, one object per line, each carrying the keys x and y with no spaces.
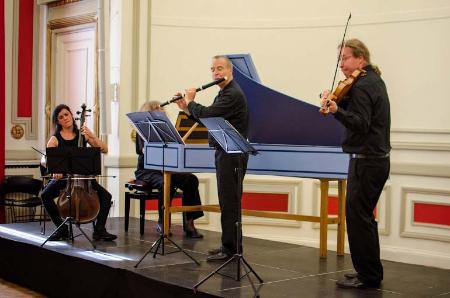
{"x":53,"y":3}
{"x":41,"y":2}
{"x":429,"y":146}
{"x":111,"y":161}
{"x":415,"y":131}
{"x":53,"y":27}
{"x":30,"y":123}
{"x":21,"y":155}
{"x":72,"y":21}
{"x":301,"y":22}
{"x":149,"y":49}
{"x":384,"y":210}
{"x":409,"y":228}
{"x":416,"y":256}
{"x":420,"y":139}
{"x":266,"y":185}
{"x":177,"y":218}
{"x":61,"y":2}
{"x":383,"y":207}
{"x":420,"y":169}
{"x":135,"y":57}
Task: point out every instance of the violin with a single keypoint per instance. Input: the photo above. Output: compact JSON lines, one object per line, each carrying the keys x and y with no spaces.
{"x":79,"y":201}
{"x":342,"y":89}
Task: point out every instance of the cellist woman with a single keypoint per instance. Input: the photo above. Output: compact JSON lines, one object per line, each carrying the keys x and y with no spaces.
{"x":66,"y":134}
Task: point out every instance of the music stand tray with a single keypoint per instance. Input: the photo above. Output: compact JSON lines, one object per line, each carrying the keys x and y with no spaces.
{"x":74,"y":160}
{"x":154,"y":127}
{"x":229,"y":139}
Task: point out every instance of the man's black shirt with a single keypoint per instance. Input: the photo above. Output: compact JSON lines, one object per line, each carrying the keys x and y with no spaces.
{"x":229,"y":104}
{"x":365,"y":113}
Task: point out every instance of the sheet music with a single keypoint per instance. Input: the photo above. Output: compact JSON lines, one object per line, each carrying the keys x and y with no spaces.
{"x":227,"y":136}
{"x":139,"y":122}
{"x":154,"y":127}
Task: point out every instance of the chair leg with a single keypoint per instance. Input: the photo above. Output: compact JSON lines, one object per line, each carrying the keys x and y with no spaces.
{"x":42,"y":219}
{"x":142,"y":215}
{"x":13,"y":214}
{"x":34,"y":214}
{"x":127,"y":210}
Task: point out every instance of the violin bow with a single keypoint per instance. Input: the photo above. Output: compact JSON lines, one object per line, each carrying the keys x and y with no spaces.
{"x":340,"y":51}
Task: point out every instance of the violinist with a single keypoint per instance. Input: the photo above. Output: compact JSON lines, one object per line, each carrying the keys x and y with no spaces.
{"x":66,"y":134}
{"x":365,"y":113}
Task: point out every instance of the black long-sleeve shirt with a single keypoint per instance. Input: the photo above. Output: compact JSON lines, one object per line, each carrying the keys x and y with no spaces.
{"x":229,"y":104}
{"x":365,"y":113}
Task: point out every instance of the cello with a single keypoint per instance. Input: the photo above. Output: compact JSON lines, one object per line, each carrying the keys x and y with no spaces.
{"x":79,"y":201}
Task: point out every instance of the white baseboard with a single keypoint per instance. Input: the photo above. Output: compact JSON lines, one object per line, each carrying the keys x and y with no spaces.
{"x":415,"y":256}
{"x":388,"y":253}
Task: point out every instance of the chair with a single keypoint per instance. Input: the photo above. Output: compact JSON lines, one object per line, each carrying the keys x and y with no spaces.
{"x":22,"y":193}
{"x":141,"y":191}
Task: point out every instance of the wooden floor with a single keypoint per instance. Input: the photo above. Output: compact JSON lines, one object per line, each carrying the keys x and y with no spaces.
{"x":10,"y":290}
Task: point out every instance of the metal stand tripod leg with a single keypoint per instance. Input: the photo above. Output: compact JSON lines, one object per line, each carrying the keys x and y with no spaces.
{"x":240,"y":260}
{"x":238,"y":257}
{"x":69,"y":220}
{"x":57,"y":230}
{"x":86,"y":236}
{"x":160,"y":243}
{"x":161,"y":240}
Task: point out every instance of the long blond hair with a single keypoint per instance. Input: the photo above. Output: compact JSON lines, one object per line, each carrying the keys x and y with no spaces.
{"x":359,"y":49}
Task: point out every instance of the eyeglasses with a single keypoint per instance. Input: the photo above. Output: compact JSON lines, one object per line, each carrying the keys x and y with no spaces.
{"x":345,"y":58}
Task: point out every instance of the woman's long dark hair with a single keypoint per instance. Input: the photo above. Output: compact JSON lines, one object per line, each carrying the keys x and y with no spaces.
{"x":57,"y":127}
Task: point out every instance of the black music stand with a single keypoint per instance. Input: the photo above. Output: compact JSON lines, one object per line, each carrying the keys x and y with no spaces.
{"x":71,"y":161}
{"x":155,"y":127}
{"x":232,"y":142}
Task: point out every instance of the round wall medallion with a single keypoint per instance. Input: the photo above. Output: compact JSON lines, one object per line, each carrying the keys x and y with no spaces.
{"x":17,"y":131}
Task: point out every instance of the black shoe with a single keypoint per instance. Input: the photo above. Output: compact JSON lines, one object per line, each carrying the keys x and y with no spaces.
{"x":214,"y":251}
{"x":219,"y":257}
{"x":190,"y":230}
{"x":351,"y":275}
{"x":62,"y":234}
{"x":103,"y":235}
{"x":160,"y":229}
{"x":194,"y":234}
{"x":356,"y":283}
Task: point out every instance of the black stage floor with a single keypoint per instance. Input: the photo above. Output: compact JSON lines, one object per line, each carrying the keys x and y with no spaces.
{"x":63,"y":269}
